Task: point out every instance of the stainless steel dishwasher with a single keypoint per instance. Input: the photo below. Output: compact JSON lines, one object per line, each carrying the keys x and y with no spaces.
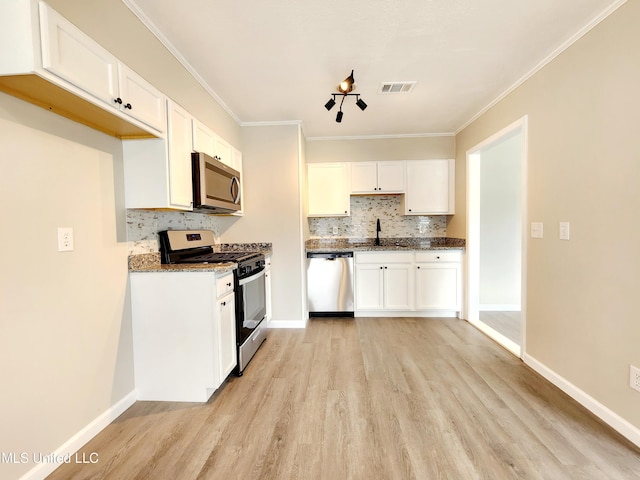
{"x":330,"y":284}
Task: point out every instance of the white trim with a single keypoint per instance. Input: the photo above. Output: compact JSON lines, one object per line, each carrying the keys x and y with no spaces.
{"x":471,"y":308}
{"x":77,"y":441}
{"x":499,"y":307}
{"x":275,"y":123}
{"x":496,"y":336}
{"x":548,"y":59}
{"x":287,"y":324}
{"x":407,"y":313}
{"x":178,"y":56}
{"x":375,"y":137}
{"x":608,"y":416}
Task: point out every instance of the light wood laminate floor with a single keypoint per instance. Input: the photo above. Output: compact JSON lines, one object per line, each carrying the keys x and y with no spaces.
{"x":506,"y":323}
{"x":370,"y":398}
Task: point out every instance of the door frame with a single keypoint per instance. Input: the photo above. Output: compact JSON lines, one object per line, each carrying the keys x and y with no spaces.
{"x":473,"y":157}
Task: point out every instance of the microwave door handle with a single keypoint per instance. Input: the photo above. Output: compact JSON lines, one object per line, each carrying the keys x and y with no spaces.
{"x":235,"y":189}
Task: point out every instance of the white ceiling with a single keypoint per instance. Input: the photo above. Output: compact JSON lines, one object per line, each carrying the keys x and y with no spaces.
{"x":280,"y":60}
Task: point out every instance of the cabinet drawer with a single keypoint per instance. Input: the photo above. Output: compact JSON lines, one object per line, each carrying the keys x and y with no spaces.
{"x":437,"y":256}
{"x":224,"y":285}
{"x":384,"y":257}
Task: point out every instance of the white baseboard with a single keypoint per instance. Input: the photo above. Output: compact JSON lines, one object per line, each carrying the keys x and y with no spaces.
{"x":499,"y":307}
{"x":75,"y":443}
{"x":611,"y":418}
{"x":287,"y":324}
{"x":407,"y":313}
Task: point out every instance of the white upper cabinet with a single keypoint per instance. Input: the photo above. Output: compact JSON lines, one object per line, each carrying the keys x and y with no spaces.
{"x":140,"y":99}
{"x":73,"y":56}
{"x":180,"y":148}
{"x":328,"y":189}
{"x":55,"y":65}
{"x":157,"y":172}
{"x":377,"y":177}
{"x":430,"y":187}
{"x":203,"y":139}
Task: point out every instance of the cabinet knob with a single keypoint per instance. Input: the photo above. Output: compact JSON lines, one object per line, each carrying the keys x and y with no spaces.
{"x":438,"y":258}
{"x":385,"y":268}
{"x":117,"y":100}
{"x":409,"y":209}
{"x":229,"y":284}
{"x":224,"y":303}
{"x":128,"y":105}
{"x":418,"y":267}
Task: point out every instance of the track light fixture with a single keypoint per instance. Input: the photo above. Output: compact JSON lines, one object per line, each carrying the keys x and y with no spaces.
{"x":345,"y":88}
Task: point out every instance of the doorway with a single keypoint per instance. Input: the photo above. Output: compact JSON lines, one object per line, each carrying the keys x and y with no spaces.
{"x":496,"y":236}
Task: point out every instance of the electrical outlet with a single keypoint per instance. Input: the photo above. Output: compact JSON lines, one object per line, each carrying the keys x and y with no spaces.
{"x":422,"y":228}
{"x":634,"y":377}
{"x":335,"y":230}
{"x":65,"y":239}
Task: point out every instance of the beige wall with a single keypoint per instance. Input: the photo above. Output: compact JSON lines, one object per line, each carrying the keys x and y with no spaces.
{"x":272,"y":165}
{"x":379,"y":149}
{"x":583,"y":168}
{"x":65,"y":327}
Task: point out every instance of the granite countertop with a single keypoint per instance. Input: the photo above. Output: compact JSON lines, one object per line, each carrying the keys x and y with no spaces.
{"x":150,"y":262}
{"x":368,"y":244}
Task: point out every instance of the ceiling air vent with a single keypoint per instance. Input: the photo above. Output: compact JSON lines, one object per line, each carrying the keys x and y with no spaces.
{"x":396,"y":87}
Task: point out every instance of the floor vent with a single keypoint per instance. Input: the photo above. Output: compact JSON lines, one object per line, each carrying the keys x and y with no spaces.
{"x":396,"y":87}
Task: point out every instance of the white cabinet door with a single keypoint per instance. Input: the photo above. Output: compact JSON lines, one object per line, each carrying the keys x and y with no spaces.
{"x":141,"y":100}
{"x":364,"y":177}
{"x":180,"y":147}
{"x":398,"y":286}
{"x":226,"y":329}
{"x":267,"y":288}
{"x":328,"y":189}
{"x":71,"y":55}
{"x":430,"y":187}
{"x":223,"y":151}
{"x":438,"y":286}
{"x":391,"y":177}
{"x":203,"y":138}
{"x":369,"y":287}
{"x":377,"y":177}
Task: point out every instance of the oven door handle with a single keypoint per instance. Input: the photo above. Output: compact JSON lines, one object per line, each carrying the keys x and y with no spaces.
{"x":253,"y":276}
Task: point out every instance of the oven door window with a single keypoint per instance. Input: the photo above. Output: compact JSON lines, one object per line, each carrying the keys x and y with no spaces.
{"x":253,"y":300}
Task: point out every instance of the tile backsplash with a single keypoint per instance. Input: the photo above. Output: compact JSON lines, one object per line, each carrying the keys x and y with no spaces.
{"x":143,"y":227}
{"x":366,"y":209}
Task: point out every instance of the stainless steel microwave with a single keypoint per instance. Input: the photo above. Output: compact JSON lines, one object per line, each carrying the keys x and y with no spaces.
{"x":216,"y":186}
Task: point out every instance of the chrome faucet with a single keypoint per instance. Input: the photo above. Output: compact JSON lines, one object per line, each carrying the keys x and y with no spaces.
{"x":378,"y":230}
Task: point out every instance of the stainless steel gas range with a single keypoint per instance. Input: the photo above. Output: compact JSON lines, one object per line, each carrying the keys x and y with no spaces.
{"x":196,"y":247}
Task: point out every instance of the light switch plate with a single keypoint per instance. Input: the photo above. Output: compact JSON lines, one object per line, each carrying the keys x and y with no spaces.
{"x":537,"y":230}
{"x":564,"y":230}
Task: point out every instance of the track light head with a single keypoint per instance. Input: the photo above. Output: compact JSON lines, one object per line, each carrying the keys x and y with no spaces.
{"x":330,"y":104}
{"x":347,"y":85}
{"x":339,"y":116}
{"x":361,"y":104}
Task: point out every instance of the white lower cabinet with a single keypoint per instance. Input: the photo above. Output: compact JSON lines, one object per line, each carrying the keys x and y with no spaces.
{"x":184,"y":336}
{"x":424,"y":283}
{"x":384,"y":281}
{"x":438,"y":282}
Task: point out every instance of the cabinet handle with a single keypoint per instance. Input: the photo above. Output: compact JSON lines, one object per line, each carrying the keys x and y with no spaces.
{"x":224,"y":304}
{"x":229,"y":284}
{"x":128,"y":105}
{"x":117,"y":100}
